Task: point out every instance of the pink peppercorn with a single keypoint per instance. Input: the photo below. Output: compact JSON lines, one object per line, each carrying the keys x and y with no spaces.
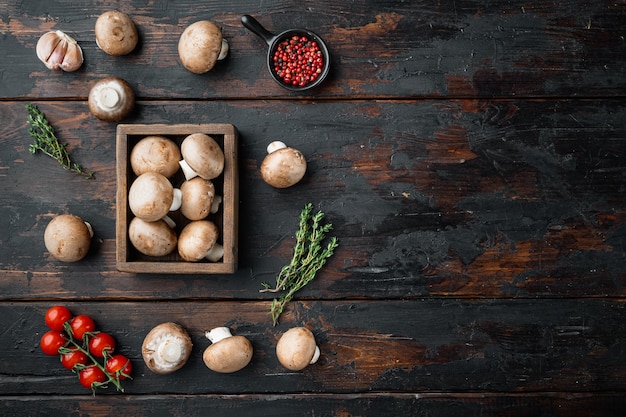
{"x":298,"y":61}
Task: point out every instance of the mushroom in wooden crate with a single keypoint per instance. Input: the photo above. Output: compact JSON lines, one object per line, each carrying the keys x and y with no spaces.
{"x":152,"y":196}
{"x":155,"y":153}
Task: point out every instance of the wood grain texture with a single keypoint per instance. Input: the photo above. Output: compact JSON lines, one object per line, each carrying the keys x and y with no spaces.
{"x":464,"y":198}
{"x":468,"y":153}
{"x":390,"y":49}
{"x":345,"y":405}
{"x":451,"y":345}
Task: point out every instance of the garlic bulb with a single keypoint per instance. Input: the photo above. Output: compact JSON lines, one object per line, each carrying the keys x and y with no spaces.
{"x":59,"y":51}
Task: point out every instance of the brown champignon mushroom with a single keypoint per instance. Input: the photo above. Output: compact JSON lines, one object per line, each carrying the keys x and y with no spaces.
{"x":166,"y":348}
{"x":202,"y":157}
{"x":152,"y":238}
{"x":282,"y":167}
{"x":198,"y":240}
{"x":201,"y":45}
{"x":111,"y":99}
{"x":227,"y":353}
{"x":155,"y":154}
{"x":198,"y":198}
{"x":116,"y":34}
{"x":296,"y":349}
{"x":68,"y":237}
{"x":151,"y":196}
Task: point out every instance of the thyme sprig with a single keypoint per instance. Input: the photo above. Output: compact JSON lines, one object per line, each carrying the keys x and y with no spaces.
{"x":47,"y":143}
{"x":309,"y":256}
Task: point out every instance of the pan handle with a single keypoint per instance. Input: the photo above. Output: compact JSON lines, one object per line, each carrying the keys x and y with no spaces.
{"x":253,"y":25}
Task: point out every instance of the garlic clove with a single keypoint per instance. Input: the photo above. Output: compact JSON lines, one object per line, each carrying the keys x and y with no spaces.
{"x":59,"y":51}
{"x":73,"y":58}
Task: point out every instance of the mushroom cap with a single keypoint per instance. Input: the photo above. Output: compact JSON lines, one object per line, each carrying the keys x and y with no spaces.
{"x":296,"y":348}
{"x":157,"y":154}
{"x":196,"y":240}
{"x":198,"y":195}
{"x":203,"y":155}
{"x":116,"y":34}
{"x":150,"y":196}
{"x":166,"y":348}
{"x":199,"y":46}
{"x":68,"y":238}
{"x":228,"y":355}
{"x":283,"y":167}
{"x":111,"y":99}
{"x":152,"y":238}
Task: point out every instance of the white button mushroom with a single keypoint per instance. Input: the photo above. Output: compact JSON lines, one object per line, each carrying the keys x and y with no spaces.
{"x":151,"y":196}
{"x":201,"y":45}
{"x":227,"y":353}
{"x":166,"y":348}
{"x":116,"y":34}
{"x":199,"y":198}
{"x":282,"y":167}
{"x":155,"y":154}
{"x":111,"y":99}
{"x":152,"y":238}
{"x":68,"y":238}
{"x":296,"y":349}
{"x":198,"y":240}
{"x":202,"y":157}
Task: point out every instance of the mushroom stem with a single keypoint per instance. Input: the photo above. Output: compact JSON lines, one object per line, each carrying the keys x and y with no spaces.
{"x":224,"y":50}
{"x":89,"y":228}
{"x":170,"y":351}
{"x":316,"y":355}
{"x":109,"y":96}
{"x":218,"y":333}
{"x":216,"y":253}
{"x":177,"y":201}
{"x":187,"y":170}
{"x":217,"y":200}
{"x":275,"y":145}
{"x":168,"y":220}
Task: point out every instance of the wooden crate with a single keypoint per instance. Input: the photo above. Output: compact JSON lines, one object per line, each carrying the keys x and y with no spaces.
{"x":128,"y":259}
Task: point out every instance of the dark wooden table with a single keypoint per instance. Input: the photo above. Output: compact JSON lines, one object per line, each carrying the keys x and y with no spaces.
{"x":469,"y":153}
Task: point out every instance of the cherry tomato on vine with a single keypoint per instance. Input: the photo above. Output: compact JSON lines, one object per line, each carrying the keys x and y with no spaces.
{"x":120,"y":365}
{"x":90,"y":376}
{"x":81,"y":325}
{"x":51,"y":341}
{"x":101,"y":343}
{"x":75,"y":357}
{"x":56,"y":316}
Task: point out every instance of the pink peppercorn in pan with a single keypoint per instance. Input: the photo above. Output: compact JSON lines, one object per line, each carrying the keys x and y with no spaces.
{"x":297,"y":59}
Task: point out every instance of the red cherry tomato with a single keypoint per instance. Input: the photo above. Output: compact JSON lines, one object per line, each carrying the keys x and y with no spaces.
{"x":51,"y":342}
{"x":101,"y":344}
{"x":90,"y":376}
{"x":56,"y":316}
{"x":81,"y":325}
{"x":119,"y":365}
{"x":73,"y":358}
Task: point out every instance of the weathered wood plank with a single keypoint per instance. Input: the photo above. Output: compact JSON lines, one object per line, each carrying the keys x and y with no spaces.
{"x":369,"y":404}
{"x":380,"y":48}
{"x":366,"y":346}
{"x":465,"y":198}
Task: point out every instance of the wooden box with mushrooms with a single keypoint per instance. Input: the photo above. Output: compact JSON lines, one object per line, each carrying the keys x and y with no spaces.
{"x":177,"y":198}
